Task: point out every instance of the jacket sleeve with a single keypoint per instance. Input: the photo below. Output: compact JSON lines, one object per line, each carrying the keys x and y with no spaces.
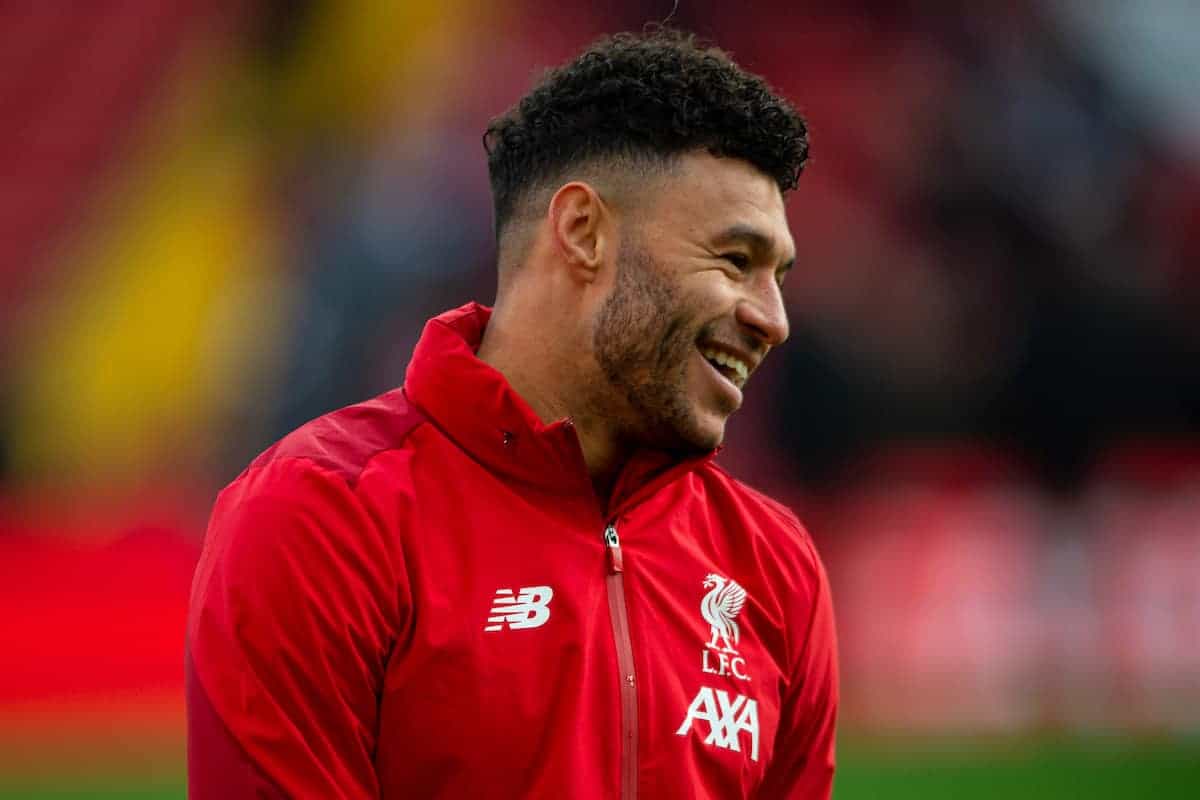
{"x":294,"y":610}
{"x":803,"y":761}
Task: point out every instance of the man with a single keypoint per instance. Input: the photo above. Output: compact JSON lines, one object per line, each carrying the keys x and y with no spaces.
{"x":521,"y":574}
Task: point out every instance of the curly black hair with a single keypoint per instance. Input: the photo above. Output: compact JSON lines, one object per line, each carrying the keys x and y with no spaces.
{"x":647,"y":97}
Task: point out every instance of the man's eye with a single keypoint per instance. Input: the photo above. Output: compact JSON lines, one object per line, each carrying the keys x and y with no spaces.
{"x":739,"y":260}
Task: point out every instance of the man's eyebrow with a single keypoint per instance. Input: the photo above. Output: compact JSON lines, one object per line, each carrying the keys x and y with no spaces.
{"x":760,"y":244}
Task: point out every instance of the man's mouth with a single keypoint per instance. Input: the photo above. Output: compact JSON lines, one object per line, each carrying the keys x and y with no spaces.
{"x":733,"y":368}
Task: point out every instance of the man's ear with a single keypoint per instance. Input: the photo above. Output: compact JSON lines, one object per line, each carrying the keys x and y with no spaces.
{"x":581,"y":225}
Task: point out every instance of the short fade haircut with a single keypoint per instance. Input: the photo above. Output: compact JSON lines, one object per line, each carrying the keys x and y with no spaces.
{"x":641,"y":99}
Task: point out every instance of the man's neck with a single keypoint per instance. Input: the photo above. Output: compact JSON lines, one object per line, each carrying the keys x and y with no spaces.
{"x":603,"y":455}
{"x":545,"y":382}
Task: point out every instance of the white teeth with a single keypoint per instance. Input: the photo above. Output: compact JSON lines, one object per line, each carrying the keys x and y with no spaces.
{"x":726,"y":360}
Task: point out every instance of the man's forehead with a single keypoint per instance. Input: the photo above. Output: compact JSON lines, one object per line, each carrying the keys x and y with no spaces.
{"x":727,"y":198}
{"x":721,"y":185}
{"x":724,"y":175}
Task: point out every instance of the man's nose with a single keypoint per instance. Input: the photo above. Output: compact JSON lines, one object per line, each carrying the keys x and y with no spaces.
{"x":762,"y":311}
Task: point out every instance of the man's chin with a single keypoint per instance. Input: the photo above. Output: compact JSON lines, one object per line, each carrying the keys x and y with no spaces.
{"x":683,"y":440}
{"x":700,"y":438}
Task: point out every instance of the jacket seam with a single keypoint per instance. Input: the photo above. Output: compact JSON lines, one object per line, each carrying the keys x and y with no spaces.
{"x":319,"y":464}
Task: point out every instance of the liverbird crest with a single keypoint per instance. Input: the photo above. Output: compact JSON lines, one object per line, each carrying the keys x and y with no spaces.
{"x":720,"y":608}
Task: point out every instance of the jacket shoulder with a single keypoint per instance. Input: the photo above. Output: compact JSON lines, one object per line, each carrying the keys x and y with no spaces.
{"x":342,"y":442}
{"x":770,"y":516}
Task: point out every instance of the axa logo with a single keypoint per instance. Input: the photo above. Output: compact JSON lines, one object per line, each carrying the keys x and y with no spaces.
{"x":728,"y":718}
{"x":720,"y":608}
{"x":528,"y":608}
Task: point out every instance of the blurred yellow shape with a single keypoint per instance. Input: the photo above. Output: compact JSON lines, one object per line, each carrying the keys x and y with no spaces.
{"x":177,"y":296}
{"x":119,"y":373}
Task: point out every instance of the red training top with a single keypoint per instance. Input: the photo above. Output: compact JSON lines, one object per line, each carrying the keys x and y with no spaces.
{"x":420,"y":596}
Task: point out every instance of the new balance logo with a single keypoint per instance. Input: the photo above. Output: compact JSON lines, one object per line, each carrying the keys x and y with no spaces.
{"x":530,"y":608}
{"x":727,"y":719}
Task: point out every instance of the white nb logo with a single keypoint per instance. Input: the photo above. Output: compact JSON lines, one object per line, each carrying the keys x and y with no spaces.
{"x":727,"y":719}
{"x":530,"y":608}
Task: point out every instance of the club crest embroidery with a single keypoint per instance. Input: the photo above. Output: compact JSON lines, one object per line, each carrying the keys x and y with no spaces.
{"x":720,"y":608}
{"x":727,"y":715}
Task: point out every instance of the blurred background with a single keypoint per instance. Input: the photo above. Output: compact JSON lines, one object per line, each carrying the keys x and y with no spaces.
{"x":220,"y":219}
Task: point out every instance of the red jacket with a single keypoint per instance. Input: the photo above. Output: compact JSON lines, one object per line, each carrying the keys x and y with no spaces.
{"x":420,"y":596}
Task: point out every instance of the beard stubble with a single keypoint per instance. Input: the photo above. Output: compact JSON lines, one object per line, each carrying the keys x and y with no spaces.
{"x":643,"y":340}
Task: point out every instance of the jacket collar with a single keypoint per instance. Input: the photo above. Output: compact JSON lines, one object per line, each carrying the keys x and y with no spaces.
{"x":474,"y":405}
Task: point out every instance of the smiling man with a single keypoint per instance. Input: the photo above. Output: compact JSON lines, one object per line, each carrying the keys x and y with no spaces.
{"x":521,"y":574}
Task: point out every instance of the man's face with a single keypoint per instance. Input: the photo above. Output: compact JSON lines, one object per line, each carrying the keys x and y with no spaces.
{"x":695,"y":304}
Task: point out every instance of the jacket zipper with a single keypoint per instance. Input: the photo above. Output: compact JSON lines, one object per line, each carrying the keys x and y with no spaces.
{"x":620,"y":623}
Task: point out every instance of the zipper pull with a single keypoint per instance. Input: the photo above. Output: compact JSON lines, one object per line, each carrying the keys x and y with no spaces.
{"x":613,"y":542}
